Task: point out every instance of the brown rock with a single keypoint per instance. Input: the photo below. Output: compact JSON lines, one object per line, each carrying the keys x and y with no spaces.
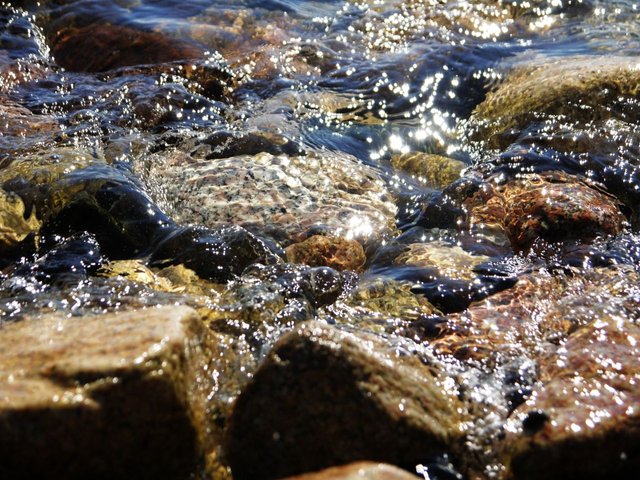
{"x":321,"y":251}
{"x":434,"y":170}
{"x":584,"y":420}
{"x":552,"y":206}
{"x":324,"y":397}
{"x":98,"y":48}
{"x":116,"y":395}
{"x":358,"y":471}
{"x":15,"y":226}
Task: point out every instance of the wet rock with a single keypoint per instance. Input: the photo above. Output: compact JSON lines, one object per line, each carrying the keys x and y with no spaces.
{"x":583,"y":421}
{"x":579,"y":88}
{"x":434,"y":170}
{"x":358,"y":471}
{"x":214,"y":254}
{"x":15,"y":224}
{"x":318,"y":250}
{"x":226,"y":144}
{"x":98,"y":48}
{"x":552,"y":206}
{"x":114,"y":395}
{"x":392,"y":408}
{"x":449,"y":261}
{"x":136,"y":271}
{"x":22,"y":129}
{"x":278,"y":196}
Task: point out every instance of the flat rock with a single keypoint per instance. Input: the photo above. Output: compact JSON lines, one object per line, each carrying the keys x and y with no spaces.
{"x":358,"y":471}
{"x":326,"y":397}
{"x":117,"y":395}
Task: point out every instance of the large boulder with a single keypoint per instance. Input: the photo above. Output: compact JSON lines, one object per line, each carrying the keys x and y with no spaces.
{"x":326,"y":397}
{"x":114,"y":396}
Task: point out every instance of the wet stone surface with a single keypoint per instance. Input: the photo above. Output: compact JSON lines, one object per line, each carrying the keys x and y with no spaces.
{"x":400,"y":231}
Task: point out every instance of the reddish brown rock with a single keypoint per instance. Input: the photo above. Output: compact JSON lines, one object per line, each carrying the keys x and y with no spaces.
{"x":325,"y":397}
{"x":321,"y":251}
{"x":358,"y":471}
{"x":98,"y":48}
{"x":553,"y":206}
{"x":584,"y":420}
{"x":117,"y":395}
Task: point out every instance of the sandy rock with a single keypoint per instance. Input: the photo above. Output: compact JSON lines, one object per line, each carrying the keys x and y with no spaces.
{"x":358,"y":471}
{"x":392,"y":408}
{"x":117,"y":395}
{"x":551,"y":206}
{"x":318,"y":250}
{"x":434,"y":170}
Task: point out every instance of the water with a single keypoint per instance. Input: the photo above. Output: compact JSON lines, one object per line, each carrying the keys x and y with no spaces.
{"x":118,"y":148}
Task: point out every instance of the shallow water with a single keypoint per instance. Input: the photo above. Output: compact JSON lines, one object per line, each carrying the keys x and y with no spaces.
{"x":370,"y":79}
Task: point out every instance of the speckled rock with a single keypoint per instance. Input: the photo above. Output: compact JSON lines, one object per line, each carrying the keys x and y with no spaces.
{"x":553,"y":206}
{"x":393,"y":407}
{"x":319,"y":250}
{"x":281,"y":196}
{"x":434,"y":170}
{"x":117,"y":395}
{"x":358,"y":471}
{"x":580,"y":88}
{"x":583,"y":421}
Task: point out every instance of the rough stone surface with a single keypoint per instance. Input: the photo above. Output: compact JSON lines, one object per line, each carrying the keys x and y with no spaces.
{"x":358,"y":471}
{"x":392,"y":408}
{"x":117,"y":395}
{"x":322,"y":251}
{"x":584,"y":420}
{"x":553,"y":206}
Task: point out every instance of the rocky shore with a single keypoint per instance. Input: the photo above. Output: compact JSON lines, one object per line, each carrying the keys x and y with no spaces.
{"x":190,"y":288}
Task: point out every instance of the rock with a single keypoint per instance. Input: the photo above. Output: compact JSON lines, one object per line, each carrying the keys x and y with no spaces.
{"x":358,"y":471}
{"x":434,"y":170}
{"x":318,"y":250}
{"x":102,"y":47}
{"x":279,"y":196}
{"x":552,"y":206}
{"x":449,"y":261}
{"x":15,"y":225}
{"x":324,"y":397}
{"x":583,"y":421}
{"x":118,"y":395}
{"x":22,"y":129}
{"x":579,"y":88}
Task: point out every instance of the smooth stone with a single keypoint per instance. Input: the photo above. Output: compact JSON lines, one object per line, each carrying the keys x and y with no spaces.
{"x":358,"y":471}
{"x":434,"y":170}
{"x":118,"y":395}
{"x":322,"y":251}
{"x":98,"y":48}
{"x":326,"y":397}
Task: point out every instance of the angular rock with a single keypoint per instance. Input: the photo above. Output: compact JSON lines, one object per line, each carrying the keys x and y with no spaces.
{"x":319,"y":250}
{"x":118,"y":395}
{"x":358,"y":471}
{"x":324,"y":397}
{"x":583,"y":421}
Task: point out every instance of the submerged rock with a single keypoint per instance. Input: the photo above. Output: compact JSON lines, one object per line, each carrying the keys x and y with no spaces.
{"x":358,"y":471}
{"x":98,"y":48}
{"x":552,"y":206}
{"x":279,"y":196}
{"x":434,"y":170}
{"x":15,"y":225}
{"x":115,"y":395}
{"x":324,"y":397}
{"x":580,"y":88}
{"x":319,"y":250}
